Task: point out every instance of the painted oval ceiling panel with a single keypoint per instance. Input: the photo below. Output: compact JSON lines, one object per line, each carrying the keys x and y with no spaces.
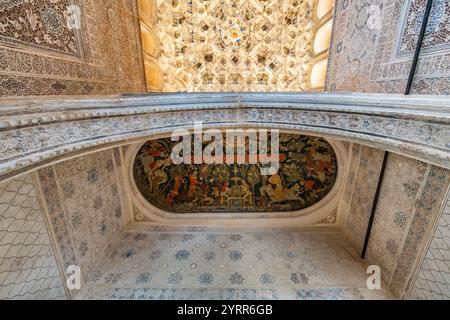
{"x":307,"y":173}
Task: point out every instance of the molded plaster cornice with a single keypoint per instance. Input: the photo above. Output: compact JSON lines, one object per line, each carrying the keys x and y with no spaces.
{"x":37,"y":131}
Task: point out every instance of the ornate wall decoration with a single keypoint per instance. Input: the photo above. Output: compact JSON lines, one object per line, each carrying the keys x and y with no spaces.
{"x":216,"y":263}
{"x":402,"y":185}
{"x":308,"y":171}
{"x":373,"y":52}
{"x":433,"y":279}
{"x":438,"y":29}
{"x":235,"y":45}
{"x":323,"y":24}
{"x":40,"y":55}
{"x":84,"y":208}
{"x":425,"y":215}
{"x":331,"y":219}
{"x":409,"y":203}
{"x":39,"y":24}
{"x":28,"y":269}
{"x":363,"y":190}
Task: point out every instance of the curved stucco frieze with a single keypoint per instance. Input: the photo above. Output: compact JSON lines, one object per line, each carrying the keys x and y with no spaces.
{"x":37,"y":131}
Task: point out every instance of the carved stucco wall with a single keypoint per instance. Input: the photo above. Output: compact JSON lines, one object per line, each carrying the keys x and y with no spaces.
{"x":366,"y":166}
{"x":402,"y":186}
{"x":235,"y":45}
{"x":41,"y":55}
{"x":45,"y":69}
{"x":28,"y":269}
{"x":433,"y":278}
{"x":410,"y":198}
{"x":81,"y":197}
{"x":374,"y":55}
{"x":373,"y":44}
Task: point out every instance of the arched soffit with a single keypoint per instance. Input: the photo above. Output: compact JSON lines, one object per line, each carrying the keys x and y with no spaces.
{"x":38,"y":131}
{"x":283,"y":213}
{"x":305,"y":171}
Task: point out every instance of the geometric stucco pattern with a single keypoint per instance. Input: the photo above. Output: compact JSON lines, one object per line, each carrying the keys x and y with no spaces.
{"x":425,"y":215}
{"x":402,"y":185}
{"x":438,"y":27}
{"x":236,"y":45}
{"x":364,"y":188}
{"x":27,"y":265}
{"x":40,"y":55}
{"x":84,"y":208}
{"x":433,"y":280}
{"x":409,"y":202}
{"x":369,"y":55}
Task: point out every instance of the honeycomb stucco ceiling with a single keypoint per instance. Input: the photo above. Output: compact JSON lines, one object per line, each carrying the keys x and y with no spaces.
{"x":235,"y":45}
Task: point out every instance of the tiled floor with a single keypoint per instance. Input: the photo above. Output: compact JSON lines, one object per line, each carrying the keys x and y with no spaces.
{"x":213,"y":264}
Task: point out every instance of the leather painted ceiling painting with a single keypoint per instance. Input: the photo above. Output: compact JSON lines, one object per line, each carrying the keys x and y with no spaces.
{"x":308,"y":171}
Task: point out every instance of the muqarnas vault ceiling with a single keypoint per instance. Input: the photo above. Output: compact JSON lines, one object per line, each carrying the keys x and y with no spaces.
{"x":39,"y":24}
{"x":236,"y":45}
{"x":308,"y":171}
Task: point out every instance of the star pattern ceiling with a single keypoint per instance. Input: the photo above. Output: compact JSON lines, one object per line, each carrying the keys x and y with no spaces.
{"x":235,"y":45}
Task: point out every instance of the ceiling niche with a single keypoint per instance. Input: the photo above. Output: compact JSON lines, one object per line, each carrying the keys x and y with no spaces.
{"x":308,"y":172}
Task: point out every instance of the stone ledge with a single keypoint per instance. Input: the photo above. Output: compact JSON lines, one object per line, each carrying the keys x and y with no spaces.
{"x":33,"y":131}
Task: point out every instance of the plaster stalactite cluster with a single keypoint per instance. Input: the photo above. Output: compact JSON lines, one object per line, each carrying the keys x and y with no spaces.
{"x":150,"y":44}
{"x":236,"y":45}
{"x":323,"y":21}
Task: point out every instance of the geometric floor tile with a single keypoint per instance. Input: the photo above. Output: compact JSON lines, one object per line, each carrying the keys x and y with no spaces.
{"x":170,"y":264}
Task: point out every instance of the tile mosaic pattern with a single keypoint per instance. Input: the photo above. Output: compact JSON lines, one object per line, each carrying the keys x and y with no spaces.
{"x":232,"y":294}
{"x":210,"y":264}
{"x":84,"y":208}
{"x":103,"y":57}
{"x":433,"y":279}
{"x":364,"y":55}
{"x":28,"y":268}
